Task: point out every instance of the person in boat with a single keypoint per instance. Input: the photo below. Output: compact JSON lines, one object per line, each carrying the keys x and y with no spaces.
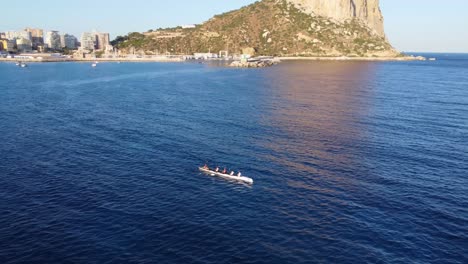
{"x":217,"y":169}
{"x":206,"y":167}
{"x":224,"y":171}
{"x":239,"y":174}
{"x":232,"y":173}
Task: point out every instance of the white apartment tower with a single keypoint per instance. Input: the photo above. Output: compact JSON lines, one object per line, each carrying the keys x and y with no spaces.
{"x":52,"y":40}
{"x":88,"y":40}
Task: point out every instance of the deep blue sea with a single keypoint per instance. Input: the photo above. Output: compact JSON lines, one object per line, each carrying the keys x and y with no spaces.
{"x":353,"y":162}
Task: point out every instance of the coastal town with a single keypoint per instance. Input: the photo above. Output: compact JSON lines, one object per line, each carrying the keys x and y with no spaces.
{"x":37,"y":45}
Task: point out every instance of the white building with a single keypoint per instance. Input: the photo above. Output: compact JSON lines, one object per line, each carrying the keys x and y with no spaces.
{"x":11,"y":35}
{"x":88,"y":40}
{"x":52,"y":40}
{"x":188,"y":26}
{"x":37,"y":35}
{"x":68,"y":41}
{"x":24,"y":45}
{"x":205,"y":56}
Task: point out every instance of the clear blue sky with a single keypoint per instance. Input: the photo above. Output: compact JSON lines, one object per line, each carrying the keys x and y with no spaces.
{"x":411,"y":25}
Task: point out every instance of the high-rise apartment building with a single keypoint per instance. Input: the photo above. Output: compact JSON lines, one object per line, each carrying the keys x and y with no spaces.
{"x":52,"y":40}
{"x":11,"y":35}
{"x":103,"y":40}
{"x":37,"y":36}
{"x":68,"y":41}
{"x":95,"y":40}
{"x":88,"y":40}
{"x":24,"y":45}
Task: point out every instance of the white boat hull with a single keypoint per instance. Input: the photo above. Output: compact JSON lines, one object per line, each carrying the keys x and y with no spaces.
{"x":227,"y":176}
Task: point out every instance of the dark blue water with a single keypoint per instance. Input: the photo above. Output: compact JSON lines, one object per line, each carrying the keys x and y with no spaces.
{"x":353,"y":162}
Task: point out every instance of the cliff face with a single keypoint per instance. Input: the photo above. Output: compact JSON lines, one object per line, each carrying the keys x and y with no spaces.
{"x":368,"y":11}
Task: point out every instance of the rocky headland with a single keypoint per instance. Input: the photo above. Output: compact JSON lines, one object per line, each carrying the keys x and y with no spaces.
{"x":281,"y":28}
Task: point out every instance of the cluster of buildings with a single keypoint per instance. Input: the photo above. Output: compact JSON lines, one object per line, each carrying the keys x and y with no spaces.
{"x":34,"y":39}
{"x":95,"y":41}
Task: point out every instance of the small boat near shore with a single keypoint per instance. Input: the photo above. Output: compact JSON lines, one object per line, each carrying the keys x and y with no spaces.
{"x":227,"y":176}
{"x":21,"y":64}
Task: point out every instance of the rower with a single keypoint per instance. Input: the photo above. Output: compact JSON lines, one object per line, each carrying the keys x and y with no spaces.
{"x":206,"y":167}
{"x":239,"y":174}
{"x":217,"y":169}
{"x":232,"y":173}
{"x":224,"y":171}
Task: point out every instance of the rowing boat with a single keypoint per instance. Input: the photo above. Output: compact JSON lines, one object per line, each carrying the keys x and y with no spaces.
{"x":227,"y":176}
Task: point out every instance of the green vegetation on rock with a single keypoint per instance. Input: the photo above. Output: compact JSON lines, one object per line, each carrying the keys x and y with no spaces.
{"x":270,"y":27}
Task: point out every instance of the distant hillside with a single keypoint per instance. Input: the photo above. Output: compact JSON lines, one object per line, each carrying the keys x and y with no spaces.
{"x":268,"y":27}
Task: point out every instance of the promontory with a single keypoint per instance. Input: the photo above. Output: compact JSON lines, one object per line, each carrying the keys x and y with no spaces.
{"x":283,"y":28}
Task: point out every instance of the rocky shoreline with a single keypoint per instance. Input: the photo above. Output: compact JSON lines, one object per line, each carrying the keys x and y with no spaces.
{"x":268,"y":63}
{"x":245,"y":64}
{"x":345,"y":58}
{"x":253,"y":64}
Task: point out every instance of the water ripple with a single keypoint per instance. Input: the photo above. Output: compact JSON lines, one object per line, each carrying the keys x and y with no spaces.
{"x":352,"y":162}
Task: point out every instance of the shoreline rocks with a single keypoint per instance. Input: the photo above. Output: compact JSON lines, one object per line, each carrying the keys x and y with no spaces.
{"x":345,"y":58}
{"x":252,"y":64}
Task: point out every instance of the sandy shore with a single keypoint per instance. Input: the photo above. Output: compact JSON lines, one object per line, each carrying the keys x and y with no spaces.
{"x":93,"y":60}
{"x":161,"y":59}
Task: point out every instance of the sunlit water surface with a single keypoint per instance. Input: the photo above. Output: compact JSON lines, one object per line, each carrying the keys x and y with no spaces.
{"x":353,"y":162}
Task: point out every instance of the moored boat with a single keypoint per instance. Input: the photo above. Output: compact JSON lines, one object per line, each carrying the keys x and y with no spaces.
{"x":227,"y":176}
